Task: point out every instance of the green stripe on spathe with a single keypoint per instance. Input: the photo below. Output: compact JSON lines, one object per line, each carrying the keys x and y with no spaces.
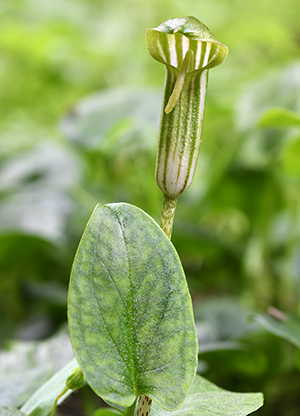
{"x":188,"y":49}
{"x":180,"y":133}
{"x":173,"y":36}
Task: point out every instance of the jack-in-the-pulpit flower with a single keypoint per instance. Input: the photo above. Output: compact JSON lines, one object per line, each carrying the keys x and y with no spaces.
{"x":188,"y":49}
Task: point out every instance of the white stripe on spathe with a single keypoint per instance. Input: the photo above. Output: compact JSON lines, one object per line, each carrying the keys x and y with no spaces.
{"x":188,"y":49}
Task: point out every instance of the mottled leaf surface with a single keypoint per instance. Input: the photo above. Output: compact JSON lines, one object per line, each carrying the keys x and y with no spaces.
{"x":130,"y":313}
{"x":206,"y":399}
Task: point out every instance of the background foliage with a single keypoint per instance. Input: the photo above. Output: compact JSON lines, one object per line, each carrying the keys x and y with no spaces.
{"x":80,"y":105}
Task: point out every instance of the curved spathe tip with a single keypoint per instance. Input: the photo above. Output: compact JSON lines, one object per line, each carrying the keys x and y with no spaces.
{"x":169,"y":42}
{"x":189,"y":26}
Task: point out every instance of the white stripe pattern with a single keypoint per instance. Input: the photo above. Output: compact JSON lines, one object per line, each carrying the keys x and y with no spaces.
{"x":181,"y":123}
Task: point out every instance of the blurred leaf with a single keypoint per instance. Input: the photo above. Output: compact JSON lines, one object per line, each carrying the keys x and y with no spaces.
{"x":116,"y":133}
{"x":42,"y":401}
{"x":217,"y":346}
{"x":146,"y":336}
{"x":281,"y":325}
{"x":222,"y":327}
{"x":290,"y":156}
{"x":115,"y":119}
{"x":243,"y":360}
{"x":22,"y":379}
{"x":26,"y":365}
{"x":279,"y":87}
{"x":48,"y":164}
{"x":27,"y":263}
{"x":10,"y":411}
{"x":104,"y":411}
{"x":207,"y":399}
{"x":35,"y":187}
{"x":279,"y":117}
{"x":225,"y":321}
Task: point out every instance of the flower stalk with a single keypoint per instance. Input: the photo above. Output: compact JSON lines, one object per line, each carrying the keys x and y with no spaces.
{"x":168,"y":214}
{"x":74,"y":382}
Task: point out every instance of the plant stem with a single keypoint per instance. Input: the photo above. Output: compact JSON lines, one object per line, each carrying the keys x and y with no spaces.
{"x":168,"y":214}
{"x":129,"y":411}
{"x":144,"y":406}
{"x":56,"y":400}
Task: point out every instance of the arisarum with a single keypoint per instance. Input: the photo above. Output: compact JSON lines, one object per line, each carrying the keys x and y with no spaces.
{"x":188,"y":49}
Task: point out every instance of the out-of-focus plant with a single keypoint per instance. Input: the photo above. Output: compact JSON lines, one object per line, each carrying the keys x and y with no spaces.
{"x":228,"y":243}
{"x":129,"y":309}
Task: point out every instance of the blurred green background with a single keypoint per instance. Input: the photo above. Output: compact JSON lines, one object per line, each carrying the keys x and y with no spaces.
{"x":80,"y":102}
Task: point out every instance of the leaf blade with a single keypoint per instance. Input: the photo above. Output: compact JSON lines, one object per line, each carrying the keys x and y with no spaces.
{"x":133,"y":281}
{"x":207,"y":399}
{"x":288,"y":329}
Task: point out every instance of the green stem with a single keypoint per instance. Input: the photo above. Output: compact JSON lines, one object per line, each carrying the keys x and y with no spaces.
{"x":168,"y":214}
{"x":56,"y":400}
{"x":129,"y":411}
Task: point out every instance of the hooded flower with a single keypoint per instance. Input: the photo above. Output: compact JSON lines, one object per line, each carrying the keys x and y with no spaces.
{"x":188,"y":49}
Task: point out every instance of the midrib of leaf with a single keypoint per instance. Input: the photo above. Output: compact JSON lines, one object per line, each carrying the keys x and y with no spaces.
{"x":131,"y":303}
{"x":133,"y":334}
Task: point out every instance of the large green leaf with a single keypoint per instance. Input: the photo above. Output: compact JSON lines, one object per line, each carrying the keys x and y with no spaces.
{"x":130,"y":312}
{"x":206,"y":399}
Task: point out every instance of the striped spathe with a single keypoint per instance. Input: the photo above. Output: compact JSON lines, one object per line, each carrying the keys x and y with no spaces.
{"x":188,"y":49}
